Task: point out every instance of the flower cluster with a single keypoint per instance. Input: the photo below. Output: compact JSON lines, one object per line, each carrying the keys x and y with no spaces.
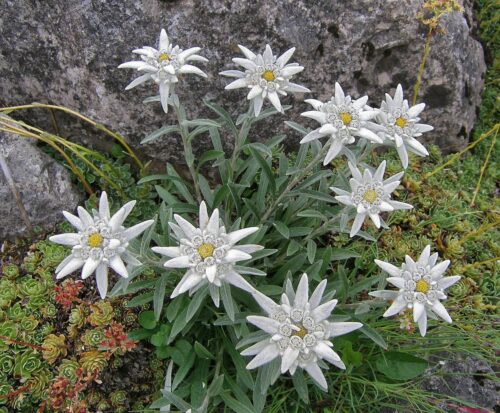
{"x":101,"y":242}
{"x":370,"y":195}
{"x":421,"y":287}
{"x":266,"y":75}
{"x":297,"y":331}
{"x":164,"y":66}
{"x":209,"y":253}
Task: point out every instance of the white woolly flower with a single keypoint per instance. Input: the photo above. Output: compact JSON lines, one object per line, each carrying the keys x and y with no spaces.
{"x":209,"y":253}
{"x":164,"y":66}
{"x":370,"y":195}
{"x":266,"y":75}
{"x":421,"y":287}
{"x":101,"y":242}
{"x":299,"y":331}
{"x":399,"y":124}
{"x":342,"y":120}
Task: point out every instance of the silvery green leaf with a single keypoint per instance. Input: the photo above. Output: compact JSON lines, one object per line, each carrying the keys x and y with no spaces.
{"x":165,"y":130}
{"x":227,"y":300}
{"x":249,"y":270}
{"x":196,"y":302}
{"x":300,"y":385}
{"x":201,"y":122}
{"x":311,"y":250}
{"x":159,"y":295}
{"x":299,"y":128}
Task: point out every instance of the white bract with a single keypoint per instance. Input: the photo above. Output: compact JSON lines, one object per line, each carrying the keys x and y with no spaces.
{"x":101,"y":242}
{"x":399,"y":124}
{"x":209,"y":253}
{"x":370,"y":195}
{"x":421,"y":287}
{"x":266,"y":75}
{"x":164,"y":65}
{"x":299,"y":331}
{"x":342,"y":120}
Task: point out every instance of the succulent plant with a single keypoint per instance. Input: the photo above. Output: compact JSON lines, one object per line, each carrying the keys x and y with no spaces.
{"x":27,"y":363}
{"x":52,"y":254}
{"x":9,"y":329}
{"x":16,"y":312}
{"x":118,"y":398}
{"x":6,"y":364}
{"x":54,"y":347}
{"x":93,"y":360}
{"x":68,"y":368}
{"x":30,"y":287}
{"x":77,"y":317}
{"x":8,"y":292}
{"x":39,"y":383}
{"x":93,"y":337}
{"x":28,"y":323}
{"x":10,"y":271}
{"x":30,"y":262}
{"x":49,"y":310}
{"x":102,"y":314}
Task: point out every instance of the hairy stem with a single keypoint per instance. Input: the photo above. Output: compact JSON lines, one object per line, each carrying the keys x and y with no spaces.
{"x":298,"y":178}
{"x":188,"y":150}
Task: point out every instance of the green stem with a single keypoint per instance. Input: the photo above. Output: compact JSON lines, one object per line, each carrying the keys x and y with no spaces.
{"x":295,"y":181}
{"x":240,"y":139}
{"x":188,"y":150}
{"x":427,"y":49}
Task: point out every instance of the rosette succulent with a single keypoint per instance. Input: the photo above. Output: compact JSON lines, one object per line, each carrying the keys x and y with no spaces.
{"x":266,"y":75}
{"x":68,"y":368}
{"x":209,"y":253}
{"x":54,"y":346}
{"x":101,"y":242}
{"x":101,"y":314}
{"x":6,"y":364}
{"x":421,"y":288}
{"x":370,"y":195}
{"x":343,"y":120}
{"x":164,"y":66}
{"x":8,"y":292}
{"x":27,"y":363}
{"x":299,"y":331}
{"x":93,"y":360}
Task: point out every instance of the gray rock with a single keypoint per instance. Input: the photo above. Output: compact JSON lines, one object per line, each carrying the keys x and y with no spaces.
{"x":67,"y":52}
{"x":44,"y":187}
{"x":466,"y":378}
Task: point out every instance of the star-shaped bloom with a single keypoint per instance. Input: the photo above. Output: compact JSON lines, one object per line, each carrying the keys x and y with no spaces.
{"x":299,"y":331}
{"x":209,"y":253}
{"x":164,"y":66}
{"x":421,"y":287}
{"x":101,"y":242}
{"x":370,"y":195}
{"x":266,"y":75}
{"x":398,"y":123}
{"x":342,"y":120}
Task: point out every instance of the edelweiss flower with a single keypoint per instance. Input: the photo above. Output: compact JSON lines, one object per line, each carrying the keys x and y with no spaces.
{"x":342,"y":119}
{"x":370,"y":195}
{"x":421,"y":285}
{"x":299,"y":331}
{"x":101,"y":242}
{"x":399,"y":124}
{"x":266,"y":76}
{"x":209,"y":253}
{"x":164,"y":66}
